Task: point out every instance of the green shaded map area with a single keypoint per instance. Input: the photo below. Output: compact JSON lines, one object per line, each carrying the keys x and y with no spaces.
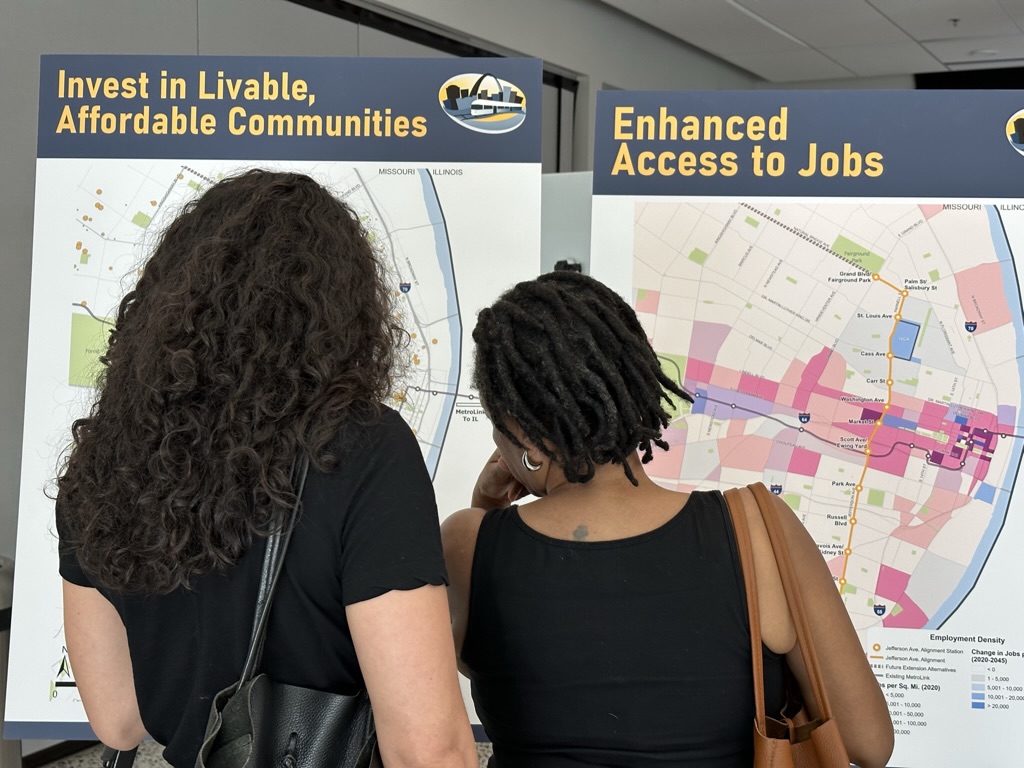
{"x":674,"y":367}
{"x":858,"y":254}
{"x":88,"y":342}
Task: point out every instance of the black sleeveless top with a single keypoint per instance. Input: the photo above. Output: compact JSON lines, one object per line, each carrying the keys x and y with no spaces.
{"x":633,"y":652}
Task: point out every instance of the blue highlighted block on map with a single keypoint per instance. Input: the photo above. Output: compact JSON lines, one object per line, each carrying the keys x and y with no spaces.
{"x":978,"y":696}
{"x":904,"y":339}
{"x":895,"y":421}
{"x":700,"y":402}
{"x":986,"y":493}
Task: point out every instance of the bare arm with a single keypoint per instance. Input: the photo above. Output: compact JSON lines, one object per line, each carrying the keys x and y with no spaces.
{"x":98,"y":650}
{"x":458,"y":536}
{"x":404,"y":645}
{"x":495,"y":487}
{"x":858,"y":704}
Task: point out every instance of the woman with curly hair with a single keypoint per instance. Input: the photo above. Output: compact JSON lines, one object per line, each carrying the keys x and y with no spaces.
{"x":605,"y":624}
{"x":261,"y":325}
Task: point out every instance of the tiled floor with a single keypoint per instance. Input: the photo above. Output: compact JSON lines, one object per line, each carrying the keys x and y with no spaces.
{"x":149,"y":757}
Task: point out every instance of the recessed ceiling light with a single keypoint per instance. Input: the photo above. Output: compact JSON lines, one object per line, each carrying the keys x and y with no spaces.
{"x":984,"y":52}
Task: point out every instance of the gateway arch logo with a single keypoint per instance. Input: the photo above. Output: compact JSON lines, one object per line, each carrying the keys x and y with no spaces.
{"x":1015,"y":131}
{"x":483,"y":102}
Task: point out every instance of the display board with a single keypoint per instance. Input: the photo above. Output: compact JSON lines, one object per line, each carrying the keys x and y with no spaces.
{"x":440,"y":158}
{"x":835,"y":277}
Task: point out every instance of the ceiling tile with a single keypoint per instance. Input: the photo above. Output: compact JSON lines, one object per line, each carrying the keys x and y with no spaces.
{"x":798,"y":40}
{"x":805,"y":64}
{"x":712,"y":25}
{"x":931,"y":19}
{"x":885,"y":59}
{"x":826,"y":23}
{"x":1015,"y":10}
{"x":959,"y":51}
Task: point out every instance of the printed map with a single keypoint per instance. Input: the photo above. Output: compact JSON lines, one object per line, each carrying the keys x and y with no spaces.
{"x":870,"y":357}
{"x":116,"y":211}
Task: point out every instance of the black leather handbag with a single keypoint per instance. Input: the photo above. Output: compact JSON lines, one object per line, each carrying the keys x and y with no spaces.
{"x":258,"y":722}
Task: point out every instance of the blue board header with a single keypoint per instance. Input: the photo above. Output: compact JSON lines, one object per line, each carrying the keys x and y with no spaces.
{"x":290,"y":108}
{"x":810,"y":143}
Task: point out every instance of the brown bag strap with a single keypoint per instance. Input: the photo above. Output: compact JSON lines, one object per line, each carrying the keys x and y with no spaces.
{"x":735,"y":502}
{"x":766,"y":504}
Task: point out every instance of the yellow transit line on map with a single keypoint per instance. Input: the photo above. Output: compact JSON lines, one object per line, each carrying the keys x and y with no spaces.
{"x":848,"y":549}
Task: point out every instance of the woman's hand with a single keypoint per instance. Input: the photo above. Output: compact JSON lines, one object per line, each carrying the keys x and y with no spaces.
{"x":496,"y":486}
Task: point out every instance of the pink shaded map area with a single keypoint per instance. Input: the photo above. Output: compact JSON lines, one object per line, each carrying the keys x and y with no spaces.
{"x":981,"y":300}
{"x":891,"y":583}
{"x":930,"y":210}
{"x":825,"y":373}
{"x":706,"y":340}
{"x":648,"y":301}
{"x":910,"y":616}
{"x":804,"y":462}
{"x":892,"y":586}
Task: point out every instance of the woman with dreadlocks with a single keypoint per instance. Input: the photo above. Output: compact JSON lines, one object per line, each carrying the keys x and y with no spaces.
{"x":605,"y":624}
{"x":262,"y":326}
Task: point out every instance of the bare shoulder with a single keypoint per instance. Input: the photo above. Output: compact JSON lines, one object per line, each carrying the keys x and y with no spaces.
{"x":459,"y":531}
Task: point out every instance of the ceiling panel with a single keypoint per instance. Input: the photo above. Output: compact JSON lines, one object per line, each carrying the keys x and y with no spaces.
{"x":712,"y":25}
{"x":801,"y":40}
{"x":885,"y":59}
{"x":805,"y":64}
{"x":827,"y":23}
{"x":932,"y":19}
{"x":978,"y":50}
{"x":1015,"y":10}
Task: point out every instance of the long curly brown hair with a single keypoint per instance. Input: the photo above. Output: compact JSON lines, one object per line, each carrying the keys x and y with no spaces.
{"x":262,"y":322}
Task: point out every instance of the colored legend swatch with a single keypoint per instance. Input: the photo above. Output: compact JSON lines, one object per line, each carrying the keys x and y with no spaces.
{"x":977,"y":691}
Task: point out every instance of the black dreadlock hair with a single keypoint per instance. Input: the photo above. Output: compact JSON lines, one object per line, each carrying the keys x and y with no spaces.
{"x":566,"y":359}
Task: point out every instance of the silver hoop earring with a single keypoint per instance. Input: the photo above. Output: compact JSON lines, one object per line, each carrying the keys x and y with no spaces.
{"x":529,"y":464}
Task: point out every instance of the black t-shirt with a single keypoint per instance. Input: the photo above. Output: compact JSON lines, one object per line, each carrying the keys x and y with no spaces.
{"x":366,"y":528}
{"x":633,"y":652}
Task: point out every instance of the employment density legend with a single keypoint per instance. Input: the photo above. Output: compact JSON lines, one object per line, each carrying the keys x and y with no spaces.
{"x":934,"y":682}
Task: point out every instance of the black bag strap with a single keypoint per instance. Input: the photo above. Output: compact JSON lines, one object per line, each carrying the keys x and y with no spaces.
{"x":273,"y":560}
